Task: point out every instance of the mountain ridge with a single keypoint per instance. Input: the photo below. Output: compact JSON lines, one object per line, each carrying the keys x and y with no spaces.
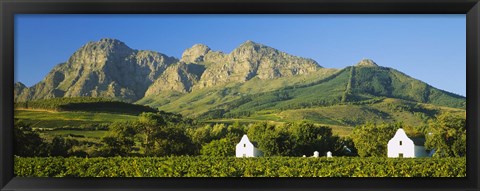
{"x":204,"y":81}
{"x":98,"y":69}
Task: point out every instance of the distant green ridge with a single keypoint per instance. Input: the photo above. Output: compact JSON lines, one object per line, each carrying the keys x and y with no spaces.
{"x":85,"y":104}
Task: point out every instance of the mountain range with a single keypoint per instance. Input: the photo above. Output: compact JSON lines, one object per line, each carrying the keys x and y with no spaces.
{"x":205,"y":83}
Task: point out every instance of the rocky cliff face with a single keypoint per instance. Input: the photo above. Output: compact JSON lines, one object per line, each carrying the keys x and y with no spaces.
{"x":18,"y":89}
{"x":195,"y":54}
{"x":251,"y":60}
{"x":107,"y":68}
{"x":200,"y":67}
{"x":180,"y":77}
{"x":366,"y":63}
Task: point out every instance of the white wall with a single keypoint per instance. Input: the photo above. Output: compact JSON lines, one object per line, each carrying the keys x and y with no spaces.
{"x":246,"y":149}
{"x":407,"y":147}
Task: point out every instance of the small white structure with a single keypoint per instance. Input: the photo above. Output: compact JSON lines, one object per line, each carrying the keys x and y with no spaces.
{"x":400,"y":146}
{"x":245,"y":148}
{"x":316,"y":154}
{"x":329,"y":154}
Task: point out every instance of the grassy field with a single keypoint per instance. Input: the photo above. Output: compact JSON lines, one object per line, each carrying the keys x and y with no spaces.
{"x":51,"y":119}
{"x":81,"y":126}
{"x":95,"y":134}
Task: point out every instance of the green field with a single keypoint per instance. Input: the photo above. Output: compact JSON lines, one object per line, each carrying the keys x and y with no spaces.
{"x":239,"y":167}
{"x":52,"y":119}
{"x":81,"y":126}
{"x":80,"y":135}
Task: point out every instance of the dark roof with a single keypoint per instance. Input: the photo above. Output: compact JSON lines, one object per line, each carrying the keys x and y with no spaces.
{"x":255,"y":144}
{"x":419,"y":141}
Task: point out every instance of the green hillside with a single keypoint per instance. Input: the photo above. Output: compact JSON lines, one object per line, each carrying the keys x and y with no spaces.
{"x":69,"y":119}
{"x":387,"y":82}
{"x":202,"y":101}
{"x":82,"y":118}
{"x":341,"y":99}
{"x":86,"y":127}
{"x":348,"y":97}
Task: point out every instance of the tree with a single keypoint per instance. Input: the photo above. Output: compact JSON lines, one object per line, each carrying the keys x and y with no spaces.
{"x":119,"y":140}
{"x":308,"y":138}
{"x":28,"y":143}
{"x":62,"y":147}
{"x":224,"y":147}
{"x":294,"y":139}
{"x":371,"y":139}
{"x":200,"y":136}
{"x":172,"y":140}
{"x":164,"y":134}
{"x":345,"y":147}
{"x":149,"y":124}
{"x":272,"y":140}
{"x":219,"y":130}
{"x":447,"y":135}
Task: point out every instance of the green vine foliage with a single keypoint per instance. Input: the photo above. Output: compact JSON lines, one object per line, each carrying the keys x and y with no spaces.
{"x":184,"y":166}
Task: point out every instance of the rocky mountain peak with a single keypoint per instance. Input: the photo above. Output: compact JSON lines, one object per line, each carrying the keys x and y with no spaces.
{"x":18,"y":89}
{"x":95,"y":55}
{"x":19,"y":85}
{"x":104,"y":68}
{"x":250,"y":49}
{"x":110,"y":41}
{"x":195,"y":53}
{"x":251,"y":44}
{"x":367,"y":63}
{"x":103,"y":48}
{"x":106,"y":44}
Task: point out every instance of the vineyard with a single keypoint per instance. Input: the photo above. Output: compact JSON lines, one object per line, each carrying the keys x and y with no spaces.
{"x":239,"y":167}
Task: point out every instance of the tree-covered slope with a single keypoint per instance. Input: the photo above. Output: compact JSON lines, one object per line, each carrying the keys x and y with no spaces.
{"x":388,"y":82}
{"x":84,"y":104}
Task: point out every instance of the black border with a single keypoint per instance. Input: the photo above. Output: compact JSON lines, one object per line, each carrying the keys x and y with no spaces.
{"x":10,"y":7}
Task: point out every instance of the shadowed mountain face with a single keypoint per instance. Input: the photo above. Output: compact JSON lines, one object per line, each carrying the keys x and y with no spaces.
{"x":251,"y":78}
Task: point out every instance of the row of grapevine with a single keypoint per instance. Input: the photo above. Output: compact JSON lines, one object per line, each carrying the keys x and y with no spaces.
{"x":238,"y":167}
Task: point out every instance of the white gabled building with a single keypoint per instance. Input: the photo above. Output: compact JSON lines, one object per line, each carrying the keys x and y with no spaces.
{"x":400,"y":146}
{"x":245,"y":148}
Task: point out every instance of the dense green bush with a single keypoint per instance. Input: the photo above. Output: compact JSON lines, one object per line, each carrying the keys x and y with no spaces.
{"x":239,"y":167}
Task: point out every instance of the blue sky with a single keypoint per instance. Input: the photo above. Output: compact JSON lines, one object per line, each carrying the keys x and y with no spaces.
{"x":431,"y":48}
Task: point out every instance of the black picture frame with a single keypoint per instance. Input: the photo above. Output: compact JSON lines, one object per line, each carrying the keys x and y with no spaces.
{"x":8,"y":8}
